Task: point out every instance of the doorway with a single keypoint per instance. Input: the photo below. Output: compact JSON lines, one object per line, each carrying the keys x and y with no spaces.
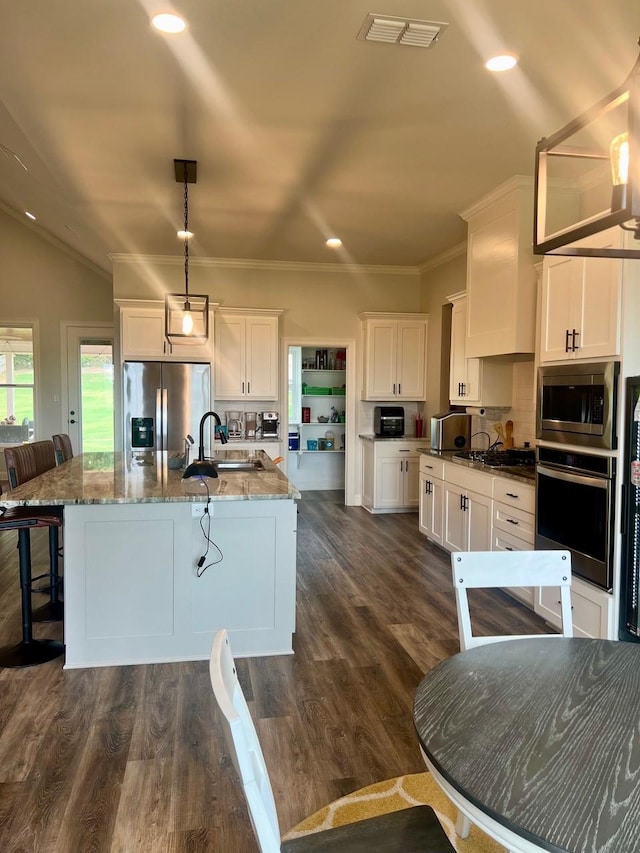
{"x":88,"y":393}
{"x":321,"y":417}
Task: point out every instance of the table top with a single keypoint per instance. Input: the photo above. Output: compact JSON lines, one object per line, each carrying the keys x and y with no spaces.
{"x":543,"y":735}
{"x":120,"y":478}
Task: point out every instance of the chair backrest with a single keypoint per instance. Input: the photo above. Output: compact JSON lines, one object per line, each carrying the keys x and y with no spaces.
{"x":509,"y":569}
{"x":27,"y":461}
{"x":62,"y":447}
{"x":243,"y":745}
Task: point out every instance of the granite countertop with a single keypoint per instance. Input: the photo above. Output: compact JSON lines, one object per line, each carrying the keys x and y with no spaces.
{"x":120,"y":478}
{"x":523,"y":473}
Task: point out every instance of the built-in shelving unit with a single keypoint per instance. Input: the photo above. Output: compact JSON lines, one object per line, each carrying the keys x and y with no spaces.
{"x":327,"y":465}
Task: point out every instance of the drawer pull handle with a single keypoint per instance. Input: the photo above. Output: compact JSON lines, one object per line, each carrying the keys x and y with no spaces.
{"x":511,"y":495}
{"x":508,"y":548}
{"x":512,"y":521}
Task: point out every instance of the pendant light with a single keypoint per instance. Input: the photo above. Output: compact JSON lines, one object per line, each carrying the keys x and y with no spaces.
{"x":588,"y":178}
{"x":186,"y":314}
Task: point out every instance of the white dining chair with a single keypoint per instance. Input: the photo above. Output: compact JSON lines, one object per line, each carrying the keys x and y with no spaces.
{"x":491,"y":569}
{"x":504,"y":569}
{"x":412,"y":830}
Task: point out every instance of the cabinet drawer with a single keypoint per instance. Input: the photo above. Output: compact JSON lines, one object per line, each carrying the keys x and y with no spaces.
{"x":397,"y":449}
{"x":432,"y":466}
{"x":514,"y":521}
{"x":514,"y":493}
{"x":468,"y":478}
{"x":505,"y":541}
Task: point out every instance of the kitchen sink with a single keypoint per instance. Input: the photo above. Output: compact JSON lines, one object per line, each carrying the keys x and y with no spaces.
{"x":237,"y":465}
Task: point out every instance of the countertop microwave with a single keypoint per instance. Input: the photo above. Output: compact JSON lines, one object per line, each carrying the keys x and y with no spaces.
{"x":577,"y":404}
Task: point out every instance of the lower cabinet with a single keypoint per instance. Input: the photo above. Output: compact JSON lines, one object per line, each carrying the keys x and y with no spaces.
{"x":431,"y":498}
{"x":467,"y":519}
{"x":592,"y":609}
{"x":391,"y":475}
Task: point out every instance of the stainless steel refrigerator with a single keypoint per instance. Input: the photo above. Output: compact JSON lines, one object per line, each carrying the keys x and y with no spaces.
{"x":162,"y":403}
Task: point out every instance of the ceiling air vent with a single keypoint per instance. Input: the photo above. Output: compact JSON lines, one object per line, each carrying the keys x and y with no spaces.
{"x":409,"y":31}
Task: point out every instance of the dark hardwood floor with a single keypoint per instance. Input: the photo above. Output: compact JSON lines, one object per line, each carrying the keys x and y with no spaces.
{"x":132,"y":758}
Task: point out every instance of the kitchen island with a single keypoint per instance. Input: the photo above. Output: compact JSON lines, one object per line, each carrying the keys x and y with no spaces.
{"x":151,"y":571}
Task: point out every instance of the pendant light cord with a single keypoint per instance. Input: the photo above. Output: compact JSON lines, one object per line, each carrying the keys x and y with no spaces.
{"x":186,"y":238}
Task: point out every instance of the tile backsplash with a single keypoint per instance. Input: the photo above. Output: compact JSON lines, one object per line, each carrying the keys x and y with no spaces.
{"x":522,"y":412}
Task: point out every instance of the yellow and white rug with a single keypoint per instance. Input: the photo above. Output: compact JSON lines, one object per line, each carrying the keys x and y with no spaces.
{"x":389,"y":796}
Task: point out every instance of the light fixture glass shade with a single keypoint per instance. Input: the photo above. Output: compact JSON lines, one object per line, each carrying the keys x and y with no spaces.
{"x":186,"y":319}
{"x":587,"y":179}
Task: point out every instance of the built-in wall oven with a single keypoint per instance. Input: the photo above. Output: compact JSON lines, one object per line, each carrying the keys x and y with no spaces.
{"x":574,"y":510}
{"x":577,"y":404}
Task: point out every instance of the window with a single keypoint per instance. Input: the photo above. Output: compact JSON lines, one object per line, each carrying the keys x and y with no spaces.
{"x":16,"y":384}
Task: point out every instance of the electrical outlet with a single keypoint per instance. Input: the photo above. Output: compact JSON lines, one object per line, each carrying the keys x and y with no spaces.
{"x":197,"y":510}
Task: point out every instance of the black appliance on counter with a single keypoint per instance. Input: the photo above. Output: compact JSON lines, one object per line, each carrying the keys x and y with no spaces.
{"x":388,"y":421}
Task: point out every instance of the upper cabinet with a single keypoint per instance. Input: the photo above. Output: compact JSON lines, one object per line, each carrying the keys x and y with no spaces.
{"x":246,"y":361}
{"x":501,"y":279}
{"x":395,"y":351}
{"x":475,"y":381}
{"x":581,"y":303}
{"x":142,"y":334}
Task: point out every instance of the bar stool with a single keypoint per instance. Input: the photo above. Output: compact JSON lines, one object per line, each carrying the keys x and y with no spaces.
{"x":29,"y":652}
{"x":23,"y":464}
{"x":62,"y":447}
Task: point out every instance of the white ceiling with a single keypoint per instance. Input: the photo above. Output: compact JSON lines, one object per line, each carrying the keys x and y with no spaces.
{"x":300,"y":129}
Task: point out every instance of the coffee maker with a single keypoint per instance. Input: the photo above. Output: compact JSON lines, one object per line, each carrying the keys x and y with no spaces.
{"x":270,"y":424}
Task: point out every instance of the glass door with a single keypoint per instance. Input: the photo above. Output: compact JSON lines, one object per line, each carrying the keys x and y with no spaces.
{"x":90,"y":389}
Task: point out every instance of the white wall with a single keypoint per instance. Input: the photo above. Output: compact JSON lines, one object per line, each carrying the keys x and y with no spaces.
{"x":41,"y":282}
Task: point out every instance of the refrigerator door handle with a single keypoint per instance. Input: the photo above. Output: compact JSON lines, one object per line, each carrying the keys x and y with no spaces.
{"x":159,"y":420}
{"x":165,"y":419}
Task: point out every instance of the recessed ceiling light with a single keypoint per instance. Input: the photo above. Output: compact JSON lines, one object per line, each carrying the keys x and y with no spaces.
{"x":30,"y":215}
{"x":184,"y":235}
{"x":333,"y":242}
{"x":167,"y":22}
{"x":501,"y":63}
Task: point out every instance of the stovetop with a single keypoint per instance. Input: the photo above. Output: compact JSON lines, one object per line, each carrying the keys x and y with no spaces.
{"x":499,"y":458}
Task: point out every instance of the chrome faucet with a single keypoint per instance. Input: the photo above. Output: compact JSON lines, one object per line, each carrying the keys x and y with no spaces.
{"x":203,"y":420}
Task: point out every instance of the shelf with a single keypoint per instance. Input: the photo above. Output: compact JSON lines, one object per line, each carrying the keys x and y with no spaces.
{"x":323,"y":370}
{"x":319,"y":452}
{"x":324,"y":424}
{"x":325,"y":396}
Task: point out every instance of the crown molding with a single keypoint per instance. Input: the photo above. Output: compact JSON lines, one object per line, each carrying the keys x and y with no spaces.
{"x":444,"y":257}
{"x":55,"y":241}
{"x":518,"y":182}
{"x":253,"y":264}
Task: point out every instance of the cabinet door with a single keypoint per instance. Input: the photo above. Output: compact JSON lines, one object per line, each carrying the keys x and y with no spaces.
{"x":230,"y":358}
{"x":142,"y":333}
{"x":200,"y":350}
{"x":431,"y":506}
{"x":261,"y":375}
{"x":558,"y":306}
{"x":411,"y":480}
{"x":599,"y":305}
{"x":455,"y":522}
{"x":411,"y":350}
{"x":478,"y":513}
{"x":380,"y":368}
{"x":389,"y":486}
{"x":458,"y":366}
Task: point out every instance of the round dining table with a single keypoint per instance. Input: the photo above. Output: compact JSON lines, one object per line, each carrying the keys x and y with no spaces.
{"x":537,"y":741}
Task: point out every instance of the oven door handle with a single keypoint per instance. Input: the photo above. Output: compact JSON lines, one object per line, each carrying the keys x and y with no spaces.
{"x":581,"y":479}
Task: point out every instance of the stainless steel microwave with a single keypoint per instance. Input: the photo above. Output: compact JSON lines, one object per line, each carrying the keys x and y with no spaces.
{"x":577,"y":404}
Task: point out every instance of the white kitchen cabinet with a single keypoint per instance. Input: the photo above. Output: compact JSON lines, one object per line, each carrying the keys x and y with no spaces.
{"x":431,"y":510}
{"x":467,"y":509}
{"x":592,"y":609}
{"x":514,"y":524}
{"x":391,"y":475}
{"x":142,"y":327}
{"x":246,"y":361}
{"x":501,"y":278}
{"x":581,"y":303}
{"x":395,"y":347}
{"x":475,"y":381}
